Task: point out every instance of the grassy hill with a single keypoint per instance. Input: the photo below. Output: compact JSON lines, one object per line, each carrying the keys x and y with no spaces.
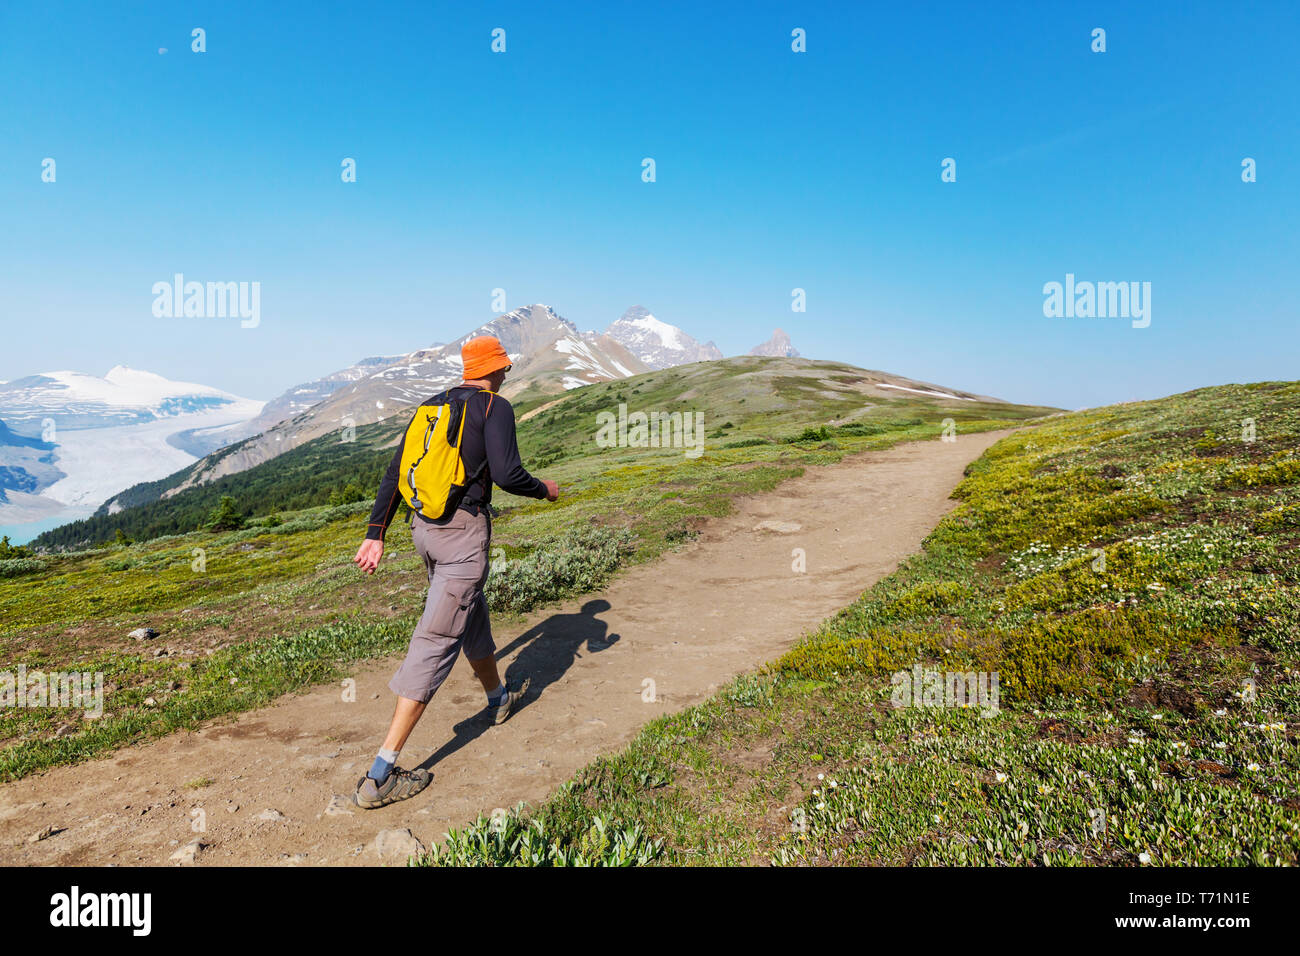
{"x":1131,"y":575}
{"x":276,"y":604}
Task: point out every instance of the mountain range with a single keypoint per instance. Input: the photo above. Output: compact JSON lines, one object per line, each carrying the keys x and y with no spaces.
{"x":744,"y":399}
{"x":548,"y":352}
{"x":108,"y":443}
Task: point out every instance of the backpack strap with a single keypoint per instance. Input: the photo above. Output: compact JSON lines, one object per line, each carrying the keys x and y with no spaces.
{"x":491,"y":395}
{"x":483,"y":470}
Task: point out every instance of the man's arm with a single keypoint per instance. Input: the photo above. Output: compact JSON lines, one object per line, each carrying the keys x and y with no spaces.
{"x":502,"y":447}
{"x":381,"y":515}
{"x":371,"y":551}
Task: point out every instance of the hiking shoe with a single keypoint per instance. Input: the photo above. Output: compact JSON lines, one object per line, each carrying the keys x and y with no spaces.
{"x":501,"y":713}
{"x":400,"y":785}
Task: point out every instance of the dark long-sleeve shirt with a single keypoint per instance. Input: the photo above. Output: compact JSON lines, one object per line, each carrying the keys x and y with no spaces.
{"x":489,"y":436}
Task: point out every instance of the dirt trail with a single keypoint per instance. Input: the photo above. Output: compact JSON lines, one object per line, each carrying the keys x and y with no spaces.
{"x":690,"y":622}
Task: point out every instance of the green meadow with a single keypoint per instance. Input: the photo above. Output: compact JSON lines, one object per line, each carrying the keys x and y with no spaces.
{"x":1130,"y":573}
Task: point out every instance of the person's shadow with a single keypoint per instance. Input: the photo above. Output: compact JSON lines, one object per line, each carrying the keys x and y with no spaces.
{"x":548,"y":650}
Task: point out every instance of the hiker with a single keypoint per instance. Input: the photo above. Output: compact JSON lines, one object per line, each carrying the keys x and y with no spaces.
{"x":459,"y":443}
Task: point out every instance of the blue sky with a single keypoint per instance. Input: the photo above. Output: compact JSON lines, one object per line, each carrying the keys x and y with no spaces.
{"x":775,"y":170}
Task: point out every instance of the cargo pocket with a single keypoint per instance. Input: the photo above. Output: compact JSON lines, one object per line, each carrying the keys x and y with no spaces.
{"x":452,"y":611}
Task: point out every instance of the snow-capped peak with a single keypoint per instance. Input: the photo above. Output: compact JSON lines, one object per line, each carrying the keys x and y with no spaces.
{"x":126,"y":377}
{"x":657,"y":343}
{"x":777,"y":346}
{"x":124,"y":386}
{"x":125,"y":371}
{"x":123,"y":396}
{"x":669,"y":336}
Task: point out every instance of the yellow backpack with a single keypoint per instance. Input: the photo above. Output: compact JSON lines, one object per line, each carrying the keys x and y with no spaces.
{"x":432,"y":480}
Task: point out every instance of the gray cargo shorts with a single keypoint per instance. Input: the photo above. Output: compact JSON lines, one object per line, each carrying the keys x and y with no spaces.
{"x":455,"y":613}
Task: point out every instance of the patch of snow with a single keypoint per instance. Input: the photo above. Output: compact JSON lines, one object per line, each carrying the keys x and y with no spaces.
{"x":924,"y":391}
{"x":574,"y":348}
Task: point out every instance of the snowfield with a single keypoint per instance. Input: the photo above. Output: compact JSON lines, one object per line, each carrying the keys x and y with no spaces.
{"x":100,"y":462}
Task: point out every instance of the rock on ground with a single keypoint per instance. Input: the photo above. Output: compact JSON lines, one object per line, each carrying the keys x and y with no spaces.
{"x":395,"y":845}
{"x":189,"y":853}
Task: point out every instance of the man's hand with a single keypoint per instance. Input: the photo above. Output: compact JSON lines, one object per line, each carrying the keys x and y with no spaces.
{"x":552,"y":489}
{"x":368,"y":555}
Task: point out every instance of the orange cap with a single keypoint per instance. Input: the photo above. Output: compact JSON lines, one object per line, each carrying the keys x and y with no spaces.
{"x":483,"y":356}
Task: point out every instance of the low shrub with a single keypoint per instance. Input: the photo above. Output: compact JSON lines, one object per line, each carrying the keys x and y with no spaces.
{"x":513,"y":839}
{"x":1283,"y":472}
{"x":14,"y":567}
{"x":574,"y":562}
